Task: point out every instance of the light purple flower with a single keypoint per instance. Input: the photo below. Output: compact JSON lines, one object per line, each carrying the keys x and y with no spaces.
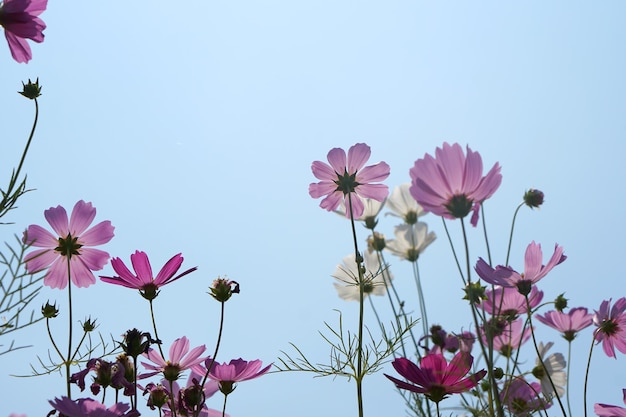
{"x":507,"y":336}
{"x":186,"y":399}
{"x":522,"y":398}
{"x":145,"y":281}
{"x":506,"y":301}
{"x":237,"y":370}
{"x":451,"y":184}
{"x":604,"y":410}
{"x":87,"y":407}
{"x":568,"y":323}
{"x":180,"y":358}
{"x":435,"y":377}
{"x":611,"y":324}
{"x":72,"y":241}
{"x":20,"y":22}
{"x":534,"y":269}
{"x":347,"y":179}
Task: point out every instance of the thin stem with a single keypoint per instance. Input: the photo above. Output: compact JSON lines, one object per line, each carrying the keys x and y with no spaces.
{"x":52,"y":340}
{"x":68,"y":361}
{"x":217,"y":346}
{"x":30,"y":138}
{"x":569,"y":356}
{"x":224,"y":407}
{"x":156,"y":334}
{"x":508,"y":251}
{"x":587,"y":374}
{"x":484,"y":222}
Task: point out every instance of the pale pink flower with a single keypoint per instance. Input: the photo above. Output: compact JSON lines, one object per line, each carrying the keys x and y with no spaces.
{"x":451,"y":184}
{"x":506,"y":301}
{"x":72,"y":242}
{"x":604,"y":410}
{"x":237,"y":370}
{"x":611,"y":324}
{"x":435,"y":377}
{"x":568,"y":323}
{"x":523,"y":398}
{"x":534,"y":270}
{"x":347,"y":179}
{"x":87,"y":407}
{"x":144,"y":280}
{"x":180,"y":359}
{"x":17,"y":415}
{"x":20,"y":22}
{"x":507,"y":336}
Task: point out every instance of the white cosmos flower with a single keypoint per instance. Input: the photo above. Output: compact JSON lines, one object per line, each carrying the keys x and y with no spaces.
{"x":403,"y":205}
{"x":555,"y":364}
{"x":348,"y":277}
{"x":411,"y":240}
{"x":371,"y":208}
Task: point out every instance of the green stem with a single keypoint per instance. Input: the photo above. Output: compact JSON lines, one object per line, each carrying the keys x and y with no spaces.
{"x":68,"y":361}
{"x":569,"y":356}
{"x":508,"y":251}
{"x":217,"y":346}
{"x":156,"y":334}
{"x":224,"y":407}
{"x":587,"y":374}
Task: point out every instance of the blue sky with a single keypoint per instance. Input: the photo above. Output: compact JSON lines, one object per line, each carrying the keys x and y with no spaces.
{"x":192,"y":128}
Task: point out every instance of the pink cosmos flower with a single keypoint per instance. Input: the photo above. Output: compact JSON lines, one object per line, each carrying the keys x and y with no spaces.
{"x":145,"y":281}
{"x":507,"y":337}
{"x":450,"y":184}
{"x":505,"y":301}
{"x":611,"y":324}
{"x":237,"y":370}
{"x":436,"y":378}
{"x":347,"y":179}
{"x":187,"y":400}
{"x":522,"y":398}
{"x":71,"y":243}
{"x":181,"y":358}
{"x":568,"y":323}
{"x":604,"y":410}
{"x":534,"y":270}
{"x":87,"y":407}
{"x":20,"y":22}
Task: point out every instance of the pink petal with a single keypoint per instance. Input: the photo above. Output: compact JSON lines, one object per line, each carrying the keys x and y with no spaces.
{"x":331,"y":202}
{"x":373,"y":173}
{"x":57,"y":276}
{"x":40,"y":259}
{"x":81,"y":273}
{"x":377,"y":192}
{"x":169,"y":269}
{"x":94,"y":259}
{"x":57,"y":217}
{"x":357,"y":206}
{"x":321,"y":189}
{"x":39,"y":237}
{"x":82,"y":216}
{"x":98,"y":235}
{"x":20,"y":50}
{"x":337,"y":159}
{"x":323,"y":171}
{"x":179,"y":348}
{"x":407,"y":386}
{"x":141,"y":265}
{"x":358,"y":155}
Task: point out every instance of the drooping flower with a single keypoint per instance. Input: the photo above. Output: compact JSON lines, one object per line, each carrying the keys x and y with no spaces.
{"x":347,"y":179}
{"x":451,"y":184}
{"x":555,"y":365}
{"x":522,"y":398}
{"x":144,"y":280}
{"x":411,"y":240}
{"x":375,"y":278}
{"x":508,"y":302}
{"x":88,"y":407}
{"x":180,"y":358}
{"x":71,"y":245}
{"x":20,"y":22}
{"x":534,"y":269}
{"x":605,"y":410}
{"x":568,"y":323}
{"x":107,"y":374}
{"x":237,"y":370}
{"x":611,"y":326}
{"x":223,"y":288}
{"x":403,"y":205}
{"x":435,"y":377}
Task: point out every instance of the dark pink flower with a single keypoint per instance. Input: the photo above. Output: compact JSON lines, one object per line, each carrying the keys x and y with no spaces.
{"x":181,"y":358}
{"x":347,"y":179}
{"x":20,"y":22}
{"x":71,"y":243}
{"x":189,"y":401}
{"x":87,"y":407}
{"x":534,"y":269}
{"x":436,"y":378}
{"x":523,"y":398}
{"x":450,"y":184}
{"x":568,"y":323}
{"x":506,"y":301}
{"x":604,"y":410}
{"x":145,"y":281}
{"x":237,"y":370}
{"x":611,"y":324}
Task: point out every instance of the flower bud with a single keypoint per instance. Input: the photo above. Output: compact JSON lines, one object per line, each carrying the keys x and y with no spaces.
{"x":223,"y":289}
{"x":49,"y":311}
{"x":31,"y":90}
{"x":136,"y":343}
{"x":533,"y":198}
{"x":498,"y":373}
{"x":560,"y":302}
{"x":158,"y":396}
{"x":89,"y":325}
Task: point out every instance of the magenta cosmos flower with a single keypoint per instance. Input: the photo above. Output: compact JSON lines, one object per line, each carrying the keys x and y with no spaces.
{"x":436,"y":378}
{"x":451,"y":184}
{"x":611,"y":324}
{"x":144,"y":280}
{"x":237,"y":370}
{"x":347,"y":179}
{"x":87,"y":407}
{"x":568,"y":323}
{"x":181,"y":358}
{"x":522,"y":397}
{"x":534,"y":269}
{"x":70,"y":247}
{"x":604,"y":410}
{"x":20,"y":22}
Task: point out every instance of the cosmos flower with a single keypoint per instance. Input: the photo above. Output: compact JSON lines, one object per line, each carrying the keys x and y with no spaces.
{"x":237,"y":370}
{"x":555,"y":364}
{"x":71,"y":243}
{"x":522,"y":398}
{"x":611,"y":326}
{"x":411,"y":240}
{"x":88,"y":407}
{"x":534,"y":270}
{"x":20,"y":22}
{"x":144,"y":280}
{"x":506,"y":301}
{"x":347,"y":179}
{"x":403,"y":205}
{"x":375,"y":278}
{"x":435,"y":377}
{"x":181,"y":358}
{"x":507,"y":336}
{"x":451,"y":184}
{"x":604,"y":410}
{"x":568,"y":323}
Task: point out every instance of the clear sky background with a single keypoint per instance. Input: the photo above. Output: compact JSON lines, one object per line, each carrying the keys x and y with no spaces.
{"x":192,"y":127}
